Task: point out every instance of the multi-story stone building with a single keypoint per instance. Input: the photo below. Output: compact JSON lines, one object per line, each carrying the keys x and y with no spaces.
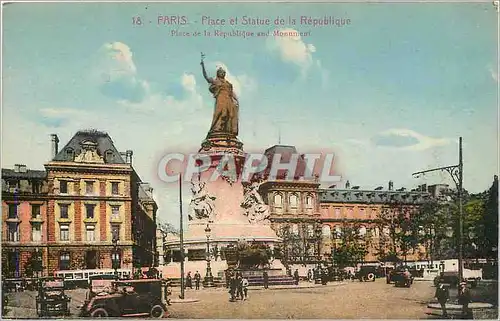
{"x":312,"y":217}
{"x":24,"y":217}
{"x":88,"y":196}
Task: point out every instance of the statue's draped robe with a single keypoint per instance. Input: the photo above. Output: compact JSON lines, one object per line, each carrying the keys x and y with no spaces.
{"x":225,"y":119}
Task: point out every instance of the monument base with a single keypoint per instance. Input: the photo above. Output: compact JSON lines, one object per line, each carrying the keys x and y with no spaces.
{"x":221,"y":143}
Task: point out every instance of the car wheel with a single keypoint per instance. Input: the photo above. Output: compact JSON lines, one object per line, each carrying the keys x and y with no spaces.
{"x":157,"y":311}
{"x":99,"y":313}
{"x":370,"y":277}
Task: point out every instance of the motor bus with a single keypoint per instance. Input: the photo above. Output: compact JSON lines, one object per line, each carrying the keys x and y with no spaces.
{"x":81,"y":278}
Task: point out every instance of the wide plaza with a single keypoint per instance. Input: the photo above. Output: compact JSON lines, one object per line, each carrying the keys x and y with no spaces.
{"x":337,"y":300}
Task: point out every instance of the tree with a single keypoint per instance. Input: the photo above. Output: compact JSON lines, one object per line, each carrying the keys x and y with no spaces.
{"x":488,"y":230}
{"x":400,"y":229}
{"x":432,"y":220}
{"x":167,"y":228}
{"x":252,"y":255}
{"x":292,"y":246}
{"x":350,"y":245}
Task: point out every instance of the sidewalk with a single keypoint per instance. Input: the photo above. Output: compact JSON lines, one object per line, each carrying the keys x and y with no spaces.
{"x":301,"y":285}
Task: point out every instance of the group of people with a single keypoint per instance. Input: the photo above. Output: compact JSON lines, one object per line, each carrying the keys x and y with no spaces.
{"x":464,"y":297}
{"x":238,"y":287}
{"x":197,"y":280}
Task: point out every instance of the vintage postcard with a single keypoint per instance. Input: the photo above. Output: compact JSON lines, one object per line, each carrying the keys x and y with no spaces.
{"x":250,"y":160}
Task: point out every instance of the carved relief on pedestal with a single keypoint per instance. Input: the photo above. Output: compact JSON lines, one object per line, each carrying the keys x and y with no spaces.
{"x":253,"y":204}
{"x":202,"y":204}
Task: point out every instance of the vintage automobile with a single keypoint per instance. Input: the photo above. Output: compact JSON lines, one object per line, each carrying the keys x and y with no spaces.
{"x":400,"y":279}
{"x":51,"y":299}
{"x":366,"y":273}
{"x":143,"y":297}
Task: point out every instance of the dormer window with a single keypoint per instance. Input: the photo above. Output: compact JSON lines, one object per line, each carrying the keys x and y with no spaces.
{"x":109,"y":156}
{"x":70,"y":154}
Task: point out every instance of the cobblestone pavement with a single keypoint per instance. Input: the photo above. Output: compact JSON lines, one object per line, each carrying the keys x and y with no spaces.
{"x":354,"y":300}
{"x":351,"y":300}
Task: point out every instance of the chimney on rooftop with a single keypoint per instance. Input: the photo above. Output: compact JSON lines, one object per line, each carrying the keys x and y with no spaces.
{"x":55,"y":145}
{"x":391,"y":185}
{"x":128,"y":156}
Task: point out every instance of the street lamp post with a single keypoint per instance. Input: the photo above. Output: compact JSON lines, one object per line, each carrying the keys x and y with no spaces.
{"x":209,"y":279}
{"x":318,"y":254}
{"x":456,"y":173}
{"x":115,"y":256}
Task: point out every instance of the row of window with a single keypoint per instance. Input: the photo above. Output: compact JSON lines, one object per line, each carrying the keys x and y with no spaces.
{"x":90,"y":233}
{"x":293,"y":201}
{"x":363,"y":212}
{"x":63,"y":210}
{"x":14,"y":213}
{"x":337,"y":230}
{"x":90,"y":187}
{"x":13,"y":234}
{"x":89,"y":211}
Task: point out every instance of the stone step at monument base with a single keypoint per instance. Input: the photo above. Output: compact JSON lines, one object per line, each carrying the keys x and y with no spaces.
{"x":273,"y":280}
{"x":218,"y":282}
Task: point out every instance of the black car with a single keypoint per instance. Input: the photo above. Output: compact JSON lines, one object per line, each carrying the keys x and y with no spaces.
{"x":366,"y":273}
{"x":51,"y":299}
{"x":144,"y":297}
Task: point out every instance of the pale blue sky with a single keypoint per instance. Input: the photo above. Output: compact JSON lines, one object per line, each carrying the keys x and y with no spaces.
{"x":390,"y":92}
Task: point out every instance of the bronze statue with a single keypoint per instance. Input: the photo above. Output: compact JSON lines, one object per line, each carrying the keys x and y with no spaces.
{"x":225,"y":119}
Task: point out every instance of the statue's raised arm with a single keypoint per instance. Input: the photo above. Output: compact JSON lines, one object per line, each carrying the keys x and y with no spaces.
{"x":208,"y":79}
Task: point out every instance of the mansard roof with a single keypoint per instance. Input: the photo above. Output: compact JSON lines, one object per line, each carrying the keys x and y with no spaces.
{"x":103,"y":142}
{"x":286,"y":152}
{"x":333,"y":195}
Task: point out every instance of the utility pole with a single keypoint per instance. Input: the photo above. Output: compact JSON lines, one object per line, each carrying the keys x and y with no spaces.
{"x":456,"y":173}
{"x":181,"y":232}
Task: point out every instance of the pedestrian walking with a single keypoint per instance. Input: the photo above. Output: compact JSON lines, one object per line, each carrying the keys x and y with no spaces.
{"x":228,"y":278}
{"x":189,"y":280}
{"x":442,"y":295}
{"x":244,"y":283}
{"x":296,"y":276}
{"x":232,"y":287}
{"x":197,"y":279}
{"x":310,"y":275}
{"x":464,"y":299}
{"x":265,"y":276}
{"x":239,"y":285}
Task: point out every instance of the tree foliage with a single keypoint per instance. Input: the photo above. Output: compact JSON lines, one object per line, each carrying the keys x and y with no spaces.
{"x":351,"y":246}
{"x":252,"y":255}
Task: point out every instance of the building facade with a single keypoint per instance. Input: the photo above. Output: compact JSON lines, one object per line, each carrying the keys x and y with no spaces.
{"x":310,"y":218}
{"x":89,"y":205}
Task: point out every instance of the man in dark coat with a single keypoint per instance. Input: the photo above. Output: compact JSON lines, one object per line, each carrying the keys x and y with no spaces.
{"x":189,"y":280}
{"x":265,"y":276}
{"x":232,"y":287}
{"x":239,"y":285}
{"x":442,"y":295}
{"x":296,"y":276}
{"x":464,"y":299}
{"x":197,"y":279}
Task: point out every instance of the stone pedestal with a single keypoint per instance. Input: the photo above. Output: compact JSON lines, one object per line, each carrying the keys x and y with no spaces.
{"x":229,"y":224}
